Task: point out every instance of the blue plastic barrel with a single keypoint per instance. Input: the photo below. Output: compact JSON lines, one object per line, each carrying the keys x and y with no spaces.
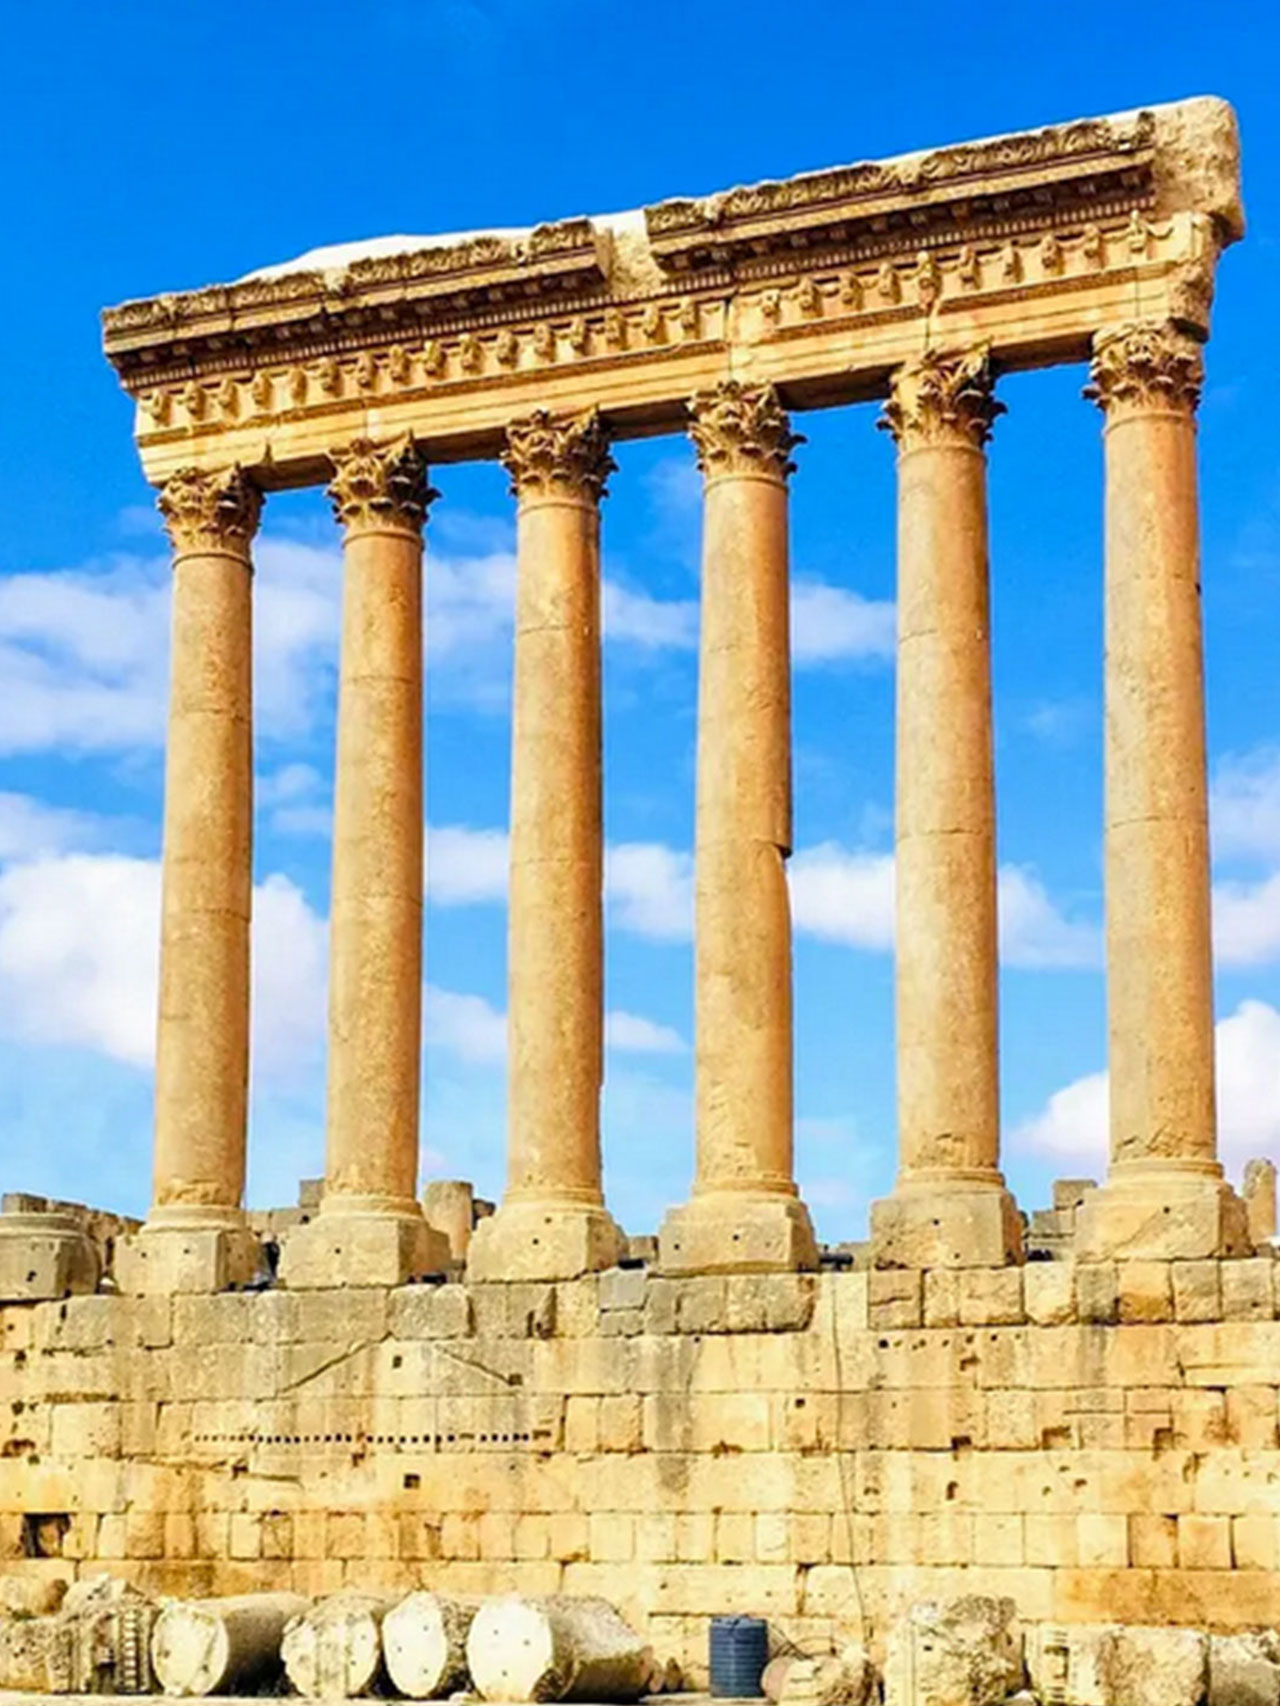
{"x":739,"y":1653}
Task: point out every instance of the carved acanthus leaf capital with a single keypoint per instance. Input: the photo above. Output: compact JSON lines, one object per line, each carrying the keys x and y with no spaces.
{"x":382,"y":486}
{"x":1145,"y":366}
{"x":558,"y":456}
{"x":945,"y":395}
{"x":742,"y":429}
{"x":210,"y":512}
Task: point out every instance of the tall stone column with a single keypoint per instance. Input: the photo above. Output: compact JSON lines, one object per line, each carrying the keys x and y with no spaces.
{"x":552,"y":1222}
{"x":195,"y":1237}
{"x":949,"y":1207}
{"x":370,"y":1229}
{"x":745,"y":1212}
{"x":1165,"y":1195}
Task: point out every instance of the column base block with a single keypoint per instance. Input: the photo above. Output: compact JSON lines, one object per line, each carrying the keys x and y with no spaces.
{"x":544,"y":1241}
{"x":1162,"y":1218}
{"x":946,"y":1226}
{"x":729,"y":1232}
{"x":360,"y":1249}
{"x":45,"y":1256}
{"x":162,"y":1261}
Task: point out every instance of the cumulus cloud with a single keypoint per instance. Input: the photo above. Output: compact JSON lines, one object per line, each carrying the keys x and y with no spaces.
{"x":1072,"y":1126}
{"x":847,"y":896}
{"x":1246,"y":922}
{"x":831,"y":624}
{"x":1244,"y":806}
{"x":29,"y":828}
{"x":466,"y":1026}
{"x":649,"y":889}
{"x":631,"y":1033}
{"x":466,"y":866}
{"x":79,"y":951}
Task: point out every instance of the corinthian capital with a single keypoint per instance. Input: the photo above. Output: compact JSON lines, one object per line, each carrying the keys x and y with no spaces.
{"x":381,"y":486}
{"x":742,"y":429}
{"x":565,"y":457}
{"x":944,"y":396}
{"x":1145,"y":366}
{"x":210,"y":512}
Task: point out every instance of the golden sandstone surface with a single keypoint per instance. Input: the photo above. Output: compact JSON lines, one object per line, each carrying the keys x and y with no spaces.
{"x":724,"y":1426}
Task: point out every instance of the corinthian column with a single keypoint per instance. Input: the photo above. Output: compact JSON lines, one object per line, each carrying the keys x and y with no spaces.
{"x":552,"y":1223}
{"x":370,"y":1229}
{"x":195,"y":1238}
{"x":949,"y":1207}
{"x":1165,"y":1195}
{"x":744,"y":1212}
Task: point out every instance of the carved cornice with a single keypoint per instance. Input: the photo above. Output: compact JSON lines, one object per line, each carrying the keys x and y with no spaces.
{"x":561,"y":457}
{"x":208,"y":513}
{"x":380,"y":487}
{"x":742,"y":429}
{"x":1142,"y":366}
{"x":944,"y":396}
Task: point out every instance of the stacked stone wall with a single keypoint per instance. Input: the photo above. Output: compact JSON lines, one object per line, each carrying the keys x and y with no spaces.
{"x":1096,"y":1441}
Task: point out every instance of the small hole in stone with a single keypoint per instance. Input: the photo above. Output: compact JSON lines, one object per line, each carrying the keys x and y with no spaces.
{"x":412,"y":1483}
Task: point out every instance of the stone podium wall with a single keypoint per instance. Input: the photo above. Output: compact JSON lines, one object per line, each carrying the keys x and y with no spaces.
{"x":1097,"y":1441}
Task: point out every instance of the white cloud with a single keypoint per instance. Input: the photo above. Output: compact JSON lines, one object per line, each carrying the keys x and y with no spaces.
{"x":649,"y":888}
{"x":29,"y":828}
{"x":653,"y":623}
{"x":467,"y":1026}
{"x":1244,"y":806}
{"x":293,"y":801}
{"x":466,"y":866}
{"x":832,"y":624}
{"x":843,"y":897}
{"x":79,"y":935}
{"x":631,"y":1033}
{"x":1073,"y":1123}
{"x":1246,"y":922}
{"x":1034,"y":934}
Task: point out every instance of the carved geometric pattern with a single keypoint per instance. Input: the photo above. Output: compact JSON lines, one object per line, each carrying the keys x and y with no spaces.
{"x":742,"y":429}
{"x":381,"y":486}
{"x":942,"y":396}
{"x":1144,"y":366}
{"x":210,"y":512}
{"x":550,"y":456}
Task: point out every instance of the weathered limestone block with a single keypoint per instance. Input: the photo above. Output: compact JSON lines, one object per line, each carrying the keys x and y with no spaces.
{"x":959,"y":1652}
{"x":1259,"y":1194}
{"x":32,"y":1596}
{"x":1244,"y":1670}
{"x":44,"y":1255}
{"x":448,"y":1206}
{"x":221,"y":1646}
{"x":847,"y":1678}
{"x":558,"y":1648}
{"x":1153,"y":1667}
{"x":1062,"y":1662}
{"x":424,"y":1642}
{"x":334,"y":1648}
{"x":37,"y":1655}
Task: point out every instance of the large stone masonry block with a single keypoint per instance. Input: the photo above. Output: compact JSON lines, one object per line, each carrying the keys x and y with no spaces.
{"x":541,"y":1241}
{"x":361,"y":1249}
{"x":734,"y":1233}
{"x":1162,"y":1219}
{"x":166,"y":1261}
{"x":44,"y":1256}
{"x":946,"y":1228}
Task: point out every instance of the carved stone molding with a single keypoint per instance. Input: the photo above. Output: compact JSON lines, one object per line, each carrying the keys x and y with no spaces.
{"x":945,"y":395}
{"x":742,"y":429}
{"x":380,"y":486}
{"x":550,"y":456}
{"x":1144,"y":366}
{"x":210,"y":512}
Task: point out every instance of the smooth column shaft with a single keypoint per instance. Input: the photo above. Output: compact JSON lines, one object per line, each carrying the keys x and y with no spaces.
{"x":375,"y":1003}
{"x":202,"y":1042}
{"x":742,"y":950}
{"x":1159,"y":947}
{"x":556,"y":931}
{"x":948,"y":1083}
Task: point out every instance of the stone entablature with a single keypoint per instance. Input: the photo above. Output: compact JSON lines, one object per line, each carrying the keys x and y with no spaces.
{"x":821,"y":284}
{"x":1098,"y":1441}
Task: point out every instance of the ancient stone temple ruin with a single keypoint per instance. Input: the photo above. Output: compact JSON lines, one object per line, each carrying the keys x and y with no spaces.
{"x":1076,"y":1412}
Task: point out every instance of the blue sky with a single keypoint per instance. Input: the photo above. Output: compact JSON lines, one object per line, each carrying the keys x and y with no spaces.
{"x":159,"y":146}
